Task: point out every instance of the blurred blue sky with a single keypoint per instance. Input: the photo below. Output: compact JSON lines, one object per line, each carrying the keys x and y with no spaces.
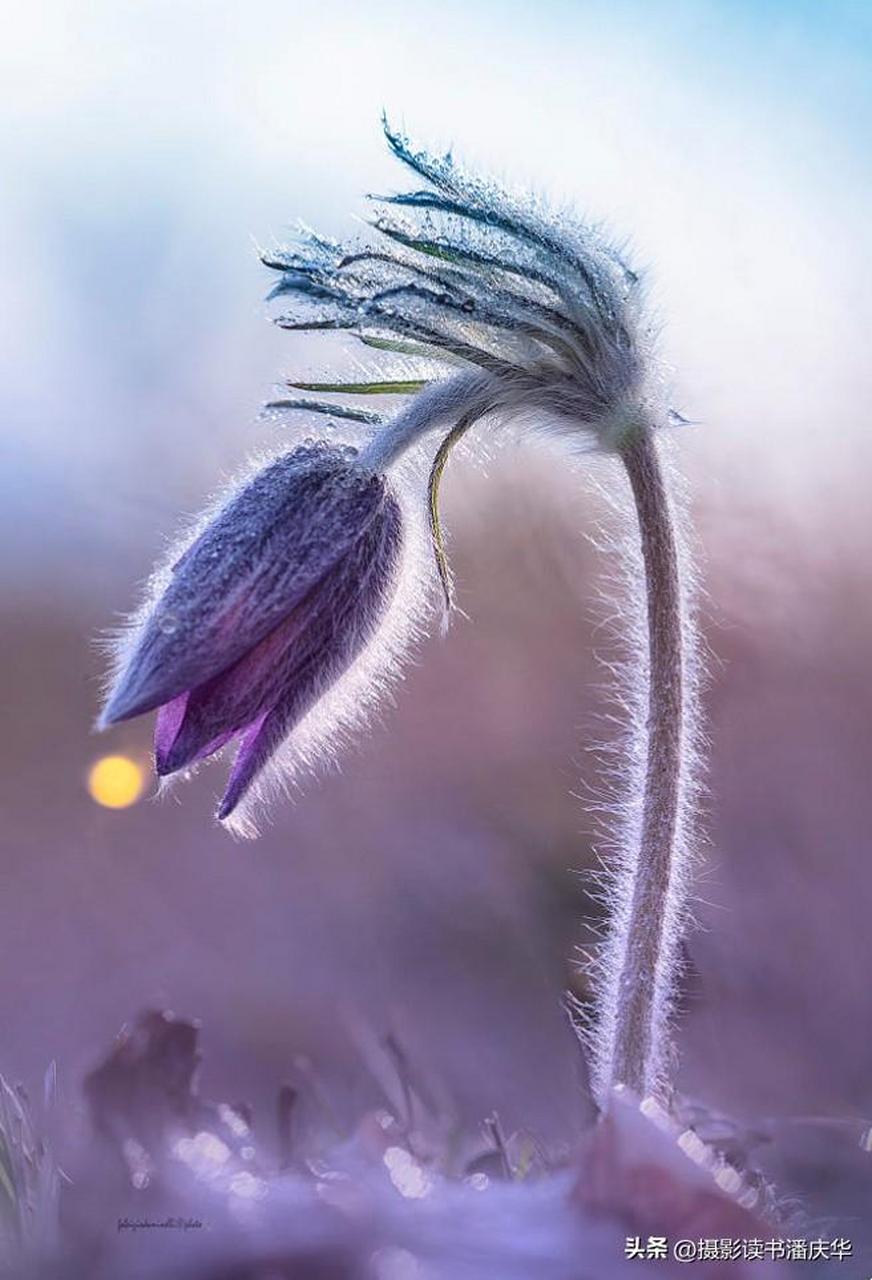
{"x":146,"y":147}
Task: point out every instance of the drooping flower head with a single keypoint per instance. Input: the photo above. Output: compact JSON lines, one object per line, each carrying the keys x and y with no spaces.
{"x":516,"y":316}
{"x":263,"y":613}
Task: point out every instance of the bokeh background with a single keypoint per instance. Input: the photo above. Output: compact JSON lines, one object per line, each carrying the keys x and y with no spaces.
{"x":428,"y":887}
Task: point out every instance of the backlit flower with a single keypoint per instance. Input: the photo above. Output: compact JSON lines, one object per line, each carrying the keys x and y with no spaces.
{"x":263,"y":613}
{"x":520,"y":314}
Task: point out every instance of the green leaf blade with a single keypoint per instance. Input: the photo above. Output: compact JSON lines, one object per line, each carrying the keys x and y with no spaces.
{"x":405,"y":387}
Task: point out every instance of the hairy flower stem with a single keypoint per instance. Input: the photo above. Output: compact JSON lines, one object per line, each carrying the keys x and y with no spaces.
{"x":645,"y":960}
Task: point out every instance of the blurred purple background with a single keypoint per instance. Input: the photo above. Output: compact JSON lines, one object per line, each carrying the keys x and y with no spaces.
{"x":427,"y":886}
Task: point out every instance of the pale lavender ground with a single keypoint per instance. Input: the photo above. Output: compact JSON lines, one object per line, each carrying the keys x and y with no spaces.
{"x":427,"y":887}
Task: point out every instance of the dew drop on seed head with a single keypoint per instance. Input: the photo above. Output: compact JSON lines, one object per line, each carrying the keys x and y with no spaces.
{"x":168,"y":623}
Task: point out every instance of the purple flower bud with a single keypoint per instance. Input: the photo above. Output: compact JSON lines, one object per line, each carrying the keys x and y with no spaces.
{"x":264,"y":612}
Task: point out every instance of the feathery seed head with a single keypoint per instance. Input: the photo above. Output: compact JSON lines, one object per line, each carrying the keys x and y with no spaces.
{"x":533,"y":319}
{"x":543,"y":310}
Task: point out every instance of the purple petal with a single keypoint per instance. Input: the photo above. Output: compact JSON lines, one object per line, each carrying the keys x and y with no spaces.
{"x":257,"y":560}
{"x":166,"y":728}
{"x":343,"y":614}
{"x":255,"y":749}
{"x":216,"y":711}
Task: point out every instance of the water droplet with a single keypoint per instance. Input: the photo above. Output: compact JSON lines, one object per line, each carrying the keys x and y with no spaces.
{"x":168,"y":623}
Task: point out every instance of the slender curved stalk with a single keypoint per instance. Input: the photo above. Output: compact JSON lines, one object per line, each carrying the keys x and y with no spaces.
{"x":631,"y":1037}
{"x":642,"y":966}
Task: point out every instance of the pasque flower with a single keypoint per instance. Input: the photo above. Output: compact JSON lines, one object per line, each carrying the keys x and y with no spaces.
{"x":262,"y":614}
{"x":537,"y":319}
{"x":507,"y":313}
